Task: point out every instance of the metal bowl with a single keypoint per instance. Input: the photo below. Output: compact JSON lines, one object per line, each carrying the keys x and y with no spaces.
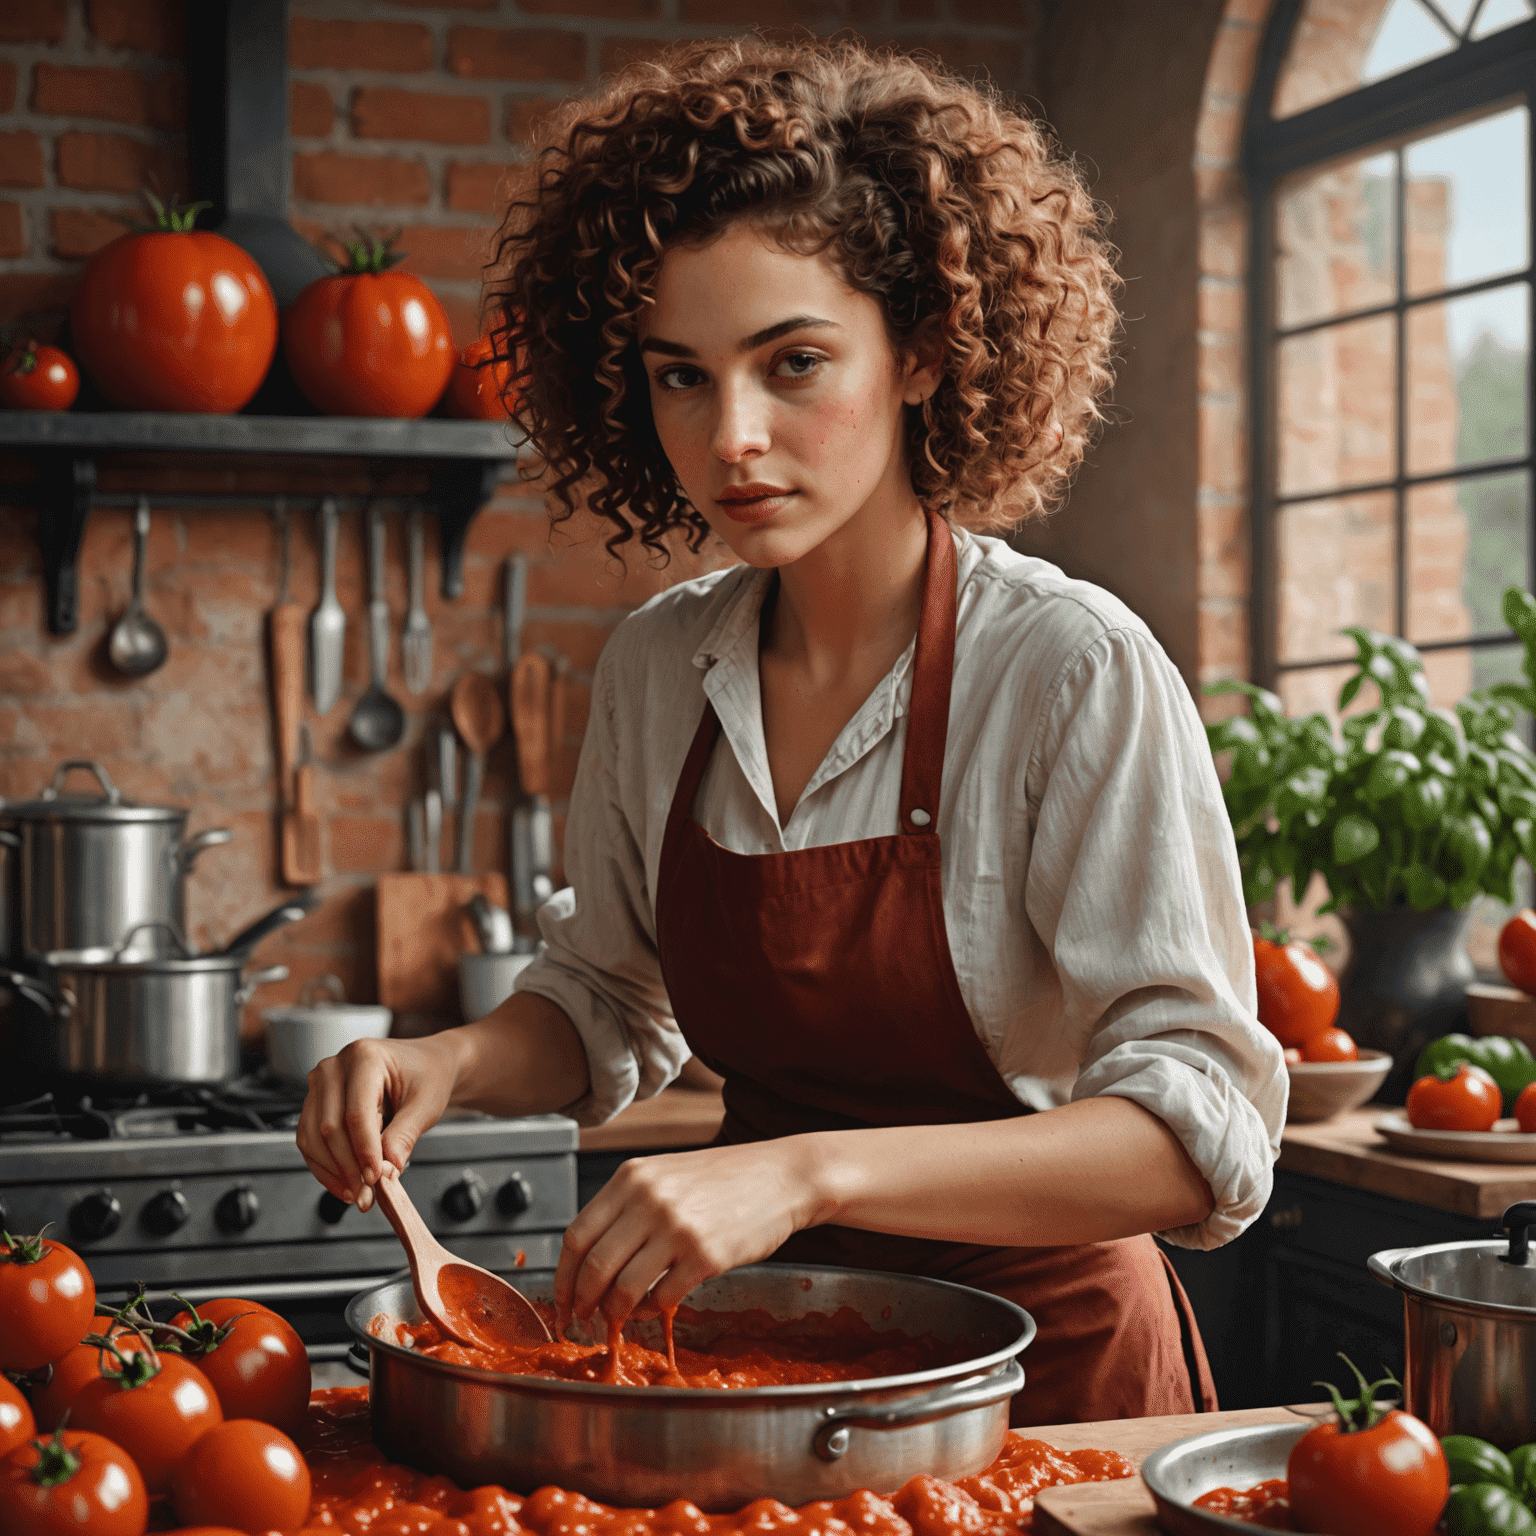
{"x":720,"y":1449}
{"x":1180,"y":1473}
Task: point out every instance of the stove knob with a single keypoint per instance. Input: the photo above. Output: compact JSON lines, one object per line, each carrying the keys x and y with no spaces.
{"x":237,"y":1210}
{"x":462,"y":1201}
{"x":96,"y":1216}
{"x":166,"y":1213}
{"x":331,"y":1208}
{"x":515,"y":1196}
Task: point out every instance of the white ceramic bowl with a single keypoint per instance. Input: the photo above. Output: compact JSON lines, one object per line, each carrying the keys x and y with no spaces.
{"x":301,"y":1036}
{"x":485,"y":981}
{"x":1322,"y":1089}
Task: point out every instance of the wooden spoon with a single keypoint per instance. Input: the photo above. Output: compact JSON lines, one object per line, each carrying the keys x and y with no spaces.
{"x":480,"y":718}
{"x":466,"y":1302}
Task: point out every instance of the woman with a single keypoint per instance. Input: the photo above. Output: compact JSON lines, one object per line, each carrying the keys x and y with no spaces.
{"x":914,"y":841}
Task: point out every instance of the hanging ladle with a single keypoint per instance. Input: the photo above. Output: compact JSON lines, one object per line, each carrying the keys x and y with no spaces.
{"x":137,"y":644}
{"x":377,"y":722}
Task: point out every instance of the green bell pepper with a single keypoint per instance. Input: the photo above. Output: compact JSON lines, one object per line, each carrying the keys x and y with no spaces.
{"x":1508,"y":1062}
{"x":1475,"y":1461}
{"x":1486,"y":1509}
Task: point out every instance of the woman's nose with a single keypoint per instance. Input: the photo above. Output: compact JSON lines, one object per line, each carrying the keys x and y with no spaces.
{"x":741,"y":427}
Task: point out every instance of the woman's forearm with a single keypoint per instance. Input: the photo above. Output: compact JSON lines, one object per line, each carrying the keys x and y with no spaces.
{"x":1084,"y":1173}
{"x":524,"y":1059}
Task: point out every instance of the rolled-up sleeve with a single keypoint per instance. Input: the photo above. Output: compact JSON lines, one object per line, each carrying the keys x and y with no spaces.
{"x":1133,"y":887}
{"x":600,"y":965}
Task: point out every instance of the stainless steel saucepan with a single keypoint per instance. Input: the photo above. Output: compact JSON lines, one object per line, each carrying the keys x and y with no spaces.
{"x":644,"y":1446}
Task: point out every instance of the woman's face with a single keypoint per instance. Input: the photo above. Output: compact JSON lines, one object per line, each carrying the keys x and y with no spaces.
{"x":777,"y":395}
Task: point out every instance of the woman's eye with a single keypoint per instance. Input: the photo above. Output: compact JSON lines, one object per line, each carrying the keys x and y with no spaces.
{"x":798,"y":365}
{"x":678,"y":377}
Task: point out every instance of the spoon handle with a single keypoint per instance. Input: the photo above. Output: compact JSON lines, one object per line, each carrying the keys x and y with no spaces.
{"x":415,"y":1237}
{"x":140,"y":546}
{"x":378,"y":607}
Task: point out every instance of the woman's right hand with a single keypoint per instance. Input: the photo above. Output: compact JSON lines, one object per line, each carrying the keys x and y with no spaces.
{"x":342,"y":1132}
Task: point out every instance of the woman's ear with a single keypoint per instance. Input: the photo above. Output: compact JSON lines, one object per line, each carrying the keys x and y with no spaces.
{"x":923,"y":359}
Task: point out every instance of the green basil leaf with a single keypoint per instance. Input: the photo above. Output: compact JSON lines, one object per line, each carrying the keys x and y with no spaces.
{"x":1424,"y":888}
{"x":1424,"y":802}
{"x":1353,"y":838}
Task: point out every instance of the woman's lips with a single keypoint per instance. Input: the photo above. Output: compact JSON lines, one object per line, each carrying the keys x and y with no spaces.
{"x":754,"y":509}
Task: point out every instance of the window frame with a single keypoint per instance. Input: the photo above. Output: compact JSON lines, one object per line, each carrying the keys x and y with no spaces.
{"x":1465,"y":83}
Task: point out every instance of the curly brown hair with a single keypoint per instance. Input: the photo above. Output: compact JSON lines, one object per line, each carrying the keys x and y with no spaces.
{"x":928,"y":191}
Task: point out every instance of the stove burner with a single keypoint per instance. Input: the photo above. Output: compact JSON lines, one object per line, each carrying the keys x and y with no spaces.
{"x":249,"y":1104}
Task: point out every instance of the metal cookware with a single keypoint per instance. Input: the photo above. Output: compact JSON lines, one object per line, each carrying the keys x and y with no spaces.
{"x":644,"y":1446}
{"x":81,"y":870}
{"x":1469,"y":1317}
{"x":1178,"y":1474}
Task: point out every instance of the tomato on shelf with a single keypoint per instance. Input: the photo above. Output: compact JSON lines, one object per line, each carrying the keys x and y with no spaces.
{"x":480,"y":387}
{"x":1332,"y":1044}
{"x":1457,"y":1097}
{"x":173,"y":318}
{"x":245,"y":1474}
{"x":38,"y":378}
{"x":1517,"y":951}
{"x":253,"y":1359}
{"x":1298,"y":996}
{"x":47,"y":1299}
{"x":74,"y":1484}
{"x":369,"y":340}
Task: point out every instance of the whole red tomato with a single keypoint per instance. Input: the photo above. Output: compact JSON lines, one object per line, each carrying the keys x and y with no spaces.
{"x":1298,"y":997}
{"x":245,"y":1474}
{"x":47,"y":1298}
{"x":153,"y":1404}
{"x":1330,"y":1045}
{"x":478,"y":390}
{"x":368,"y":341}
{"x":1464,"y":1099}
{"x":38,"y":378}
{"x":1525,"y":1109}
{"x":17,"y":1425}
{"x":71,"y":1371}
{"x":1517,"y":950}
{"x":175,"y":319}
{"x":75,"y":1484}
{"x":253,"y":1358}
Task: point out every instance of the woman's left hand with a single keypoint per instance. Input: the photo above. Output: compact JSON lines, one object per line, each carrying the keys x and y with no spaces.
{"x":671,"y":1222}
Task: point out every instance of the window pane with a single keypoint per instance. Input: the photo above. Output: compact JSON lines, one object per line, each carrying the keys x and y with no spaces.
{"x":1338,"y":406}
{"x":1454,"y":674}
{"x":1466,"y":543}
{"x":1339,"y":45}
{"x":1318,"y":689}
{"x":1466,"y":203}
{"x":1336,"y":560}
{"x":1498,"y":14}
{"x":1466,"y":380}
{"x":1334,"y":239}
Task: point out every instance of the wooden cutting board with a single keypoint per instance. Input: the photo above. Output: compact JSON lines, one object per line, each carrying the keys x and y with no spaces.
{"x":422,"y":930}
{"x":1125,"y":1508}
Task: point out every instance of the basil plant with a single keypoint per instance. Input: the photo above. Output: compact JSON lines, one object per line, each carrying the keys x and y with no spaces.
{"x":1408,"y":803}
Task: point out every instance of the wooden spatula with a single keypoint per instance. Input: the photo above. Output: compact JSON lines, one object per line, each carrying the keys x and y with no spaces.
{"x":466,"y":1302}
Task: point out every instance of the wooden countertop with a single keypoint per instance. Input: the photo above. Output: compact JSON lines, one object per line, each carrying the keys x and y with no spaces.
{"x":676,"y":1117}
{"x":1347,"y":1150}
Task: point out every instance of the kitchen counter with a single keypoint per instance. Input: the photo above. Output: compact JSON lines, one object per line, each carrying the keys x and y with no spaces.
{"x":676,"y":1117}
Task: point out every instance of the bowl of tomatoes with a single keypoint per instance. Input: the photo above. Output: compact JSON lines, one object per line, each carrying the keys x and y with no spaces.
{"x":1322,"y":1089}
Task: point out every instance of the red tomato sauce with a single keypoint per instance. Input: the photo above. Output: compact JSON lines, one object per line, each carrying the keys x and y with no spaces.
{"x":744,"y":1349}
{"x":1265,"y":1504}
{"x":358,"y":1493}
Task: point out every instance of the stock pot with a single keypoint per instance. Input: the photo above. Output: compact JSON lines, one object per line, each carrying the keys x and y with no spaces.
{"x":645,"y":1446}
{"x":77,"y":872}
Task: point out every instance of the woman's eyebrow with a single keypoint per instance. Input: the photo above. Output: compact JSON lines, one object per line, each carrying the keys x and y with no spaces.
{"x":747,"y":344}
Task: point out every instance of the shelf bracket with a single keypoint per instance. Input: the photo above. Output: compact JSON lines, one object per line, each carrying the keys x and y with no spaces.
{"x":460,"y":488}
{"x":66,"y":485}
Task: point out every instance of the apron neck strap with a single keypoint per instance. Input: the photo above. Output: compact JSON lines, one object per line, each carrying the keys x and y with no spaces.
{"x":933,"y":665}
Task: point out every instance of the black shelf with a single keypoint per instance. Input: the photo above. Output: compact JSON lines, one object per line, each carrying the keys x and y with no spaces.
{"x":464,"y":460}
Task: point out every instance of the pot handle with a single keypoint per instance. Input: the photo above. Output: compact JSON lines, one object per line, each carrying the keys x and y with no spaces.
{"x":248,"y":984}
{"x":112,"y":794}
{"x":183,"y":950}
{"x":832,"y":1438}
{"x":186,"y":854}
{"x":1380,"y":1265}
{"x":38,"y":992}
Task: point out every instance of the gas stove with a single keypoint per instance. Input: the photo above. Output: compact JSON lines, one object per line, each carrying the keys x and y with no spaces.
{"x":203,"y":1192}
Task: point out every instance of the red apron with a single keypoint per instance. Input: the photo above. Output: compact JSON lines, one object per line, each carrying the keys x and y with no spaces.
{"x":819,"y":984}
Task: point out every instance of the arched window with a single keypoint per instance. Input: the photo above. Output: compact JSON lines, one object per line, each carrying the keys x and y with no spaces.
{"x":1387,"y":148}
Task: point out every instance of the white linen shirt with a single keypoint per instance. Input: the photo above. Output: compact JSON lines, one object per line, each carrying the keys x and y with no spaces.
{"x":1091,"y":889}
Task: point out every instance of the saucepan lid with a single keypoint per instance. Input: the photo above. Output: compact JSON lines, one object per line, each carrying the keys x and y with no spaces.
{"x":1496,"y":1276}
{"x":109,"y":806}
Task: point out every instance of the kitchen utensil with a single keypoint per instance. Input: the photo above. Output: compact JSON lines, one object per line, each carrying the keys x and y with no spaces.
{"x":531,"y":690}
{"x":480,"y":719}
{"x":416,"y":836}
{"x":1178,"y":1474}
{"x":645,"y":1446}
{"x":523,"y":903}
{"x":298,"y":833}
{"x":137,"y":645}
{"x":447,"y":768}
{"x":466,"y":1302}
{"x":1503,"y":1144}
{"x":516,"y":609}
{"x":421,"y":929}
{"x":377,"y":722}
{"x":493,"y":925}
{"x":1322,"y":1089}
{"x":327,"y":624}
{"x":301,"y":824}
{"x":486,"y":981}
{"x":432,"y":822}
{"x":87,"y":868}
{"x":416,"y":642}
{"x":137,"y":1019}
{"x":1469,"y":1321}
{"x":290,"y":911}
{"x":301,"y":1035}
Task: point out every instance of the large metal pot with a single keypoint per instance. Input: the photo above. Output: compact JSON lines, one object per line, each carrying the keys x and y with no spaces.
{"x":644,"y":1446}
{"x":1469,"y":1317}
{"x":78,"y":871}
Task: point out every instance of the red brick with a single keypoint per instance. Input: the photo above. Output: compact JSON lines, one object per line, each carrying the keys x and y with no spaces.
{"x":615,"y":52}
{"x":463,"y":314}
{"x":917,"y":10}
{"x":478,"y":186}
{"x":111,"y":162}
{"x":384,"y":113}
{"x":145,"y":26}
{"x":525,"y":114}
{"x":609,"y":10}
{"x":77,"y":232}
{"x":20,"y":673}
{"x":118,"y":95}
{"x":992,"y":13}
{"x":527,"y":53}
{"x":34,"y":21}
{"x":431,"y":250}
{"x":310,"y":112}
{"x":7,"y":85}
{"x":34,"y":293}
{"x":13,"y":230}
{"x":747,"y":13}
{"x":21,"y":160}
{"x":446,"y":5}
{"x":398,"y":46}
{"x":375,"y":180}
